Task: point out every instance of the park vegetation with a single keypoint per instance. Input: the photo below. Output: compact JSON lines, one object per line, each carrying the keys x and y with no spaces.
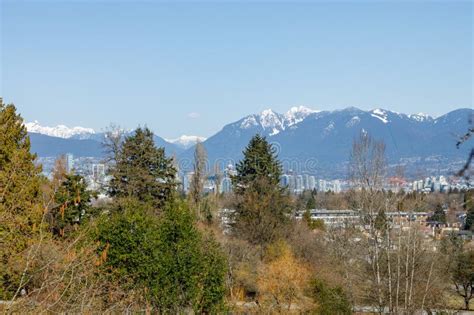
{"x":149,"y":248}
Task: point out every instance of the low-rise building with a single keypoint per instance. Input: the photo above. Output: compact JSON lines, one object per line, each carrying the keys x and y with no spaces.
{"x":332,"y":218}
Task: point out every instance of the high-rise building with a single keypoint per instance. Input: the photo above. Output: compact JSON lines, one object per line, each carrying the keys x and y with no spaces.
{"x":311,"y":183}
{"x":285,"y":180}
{"x":292,"y":181}
{"x":322,"y":185}
{"x":419,"y":185}
{"x":226,"y":185}
{"x":299,"y":184}
{"x":209,"y":185}
{"x":337,"y":186}
{"x":98,"y":170}
{"x":436,"y":187}
{"x":305,"y":181}
{"x":226,"y":182}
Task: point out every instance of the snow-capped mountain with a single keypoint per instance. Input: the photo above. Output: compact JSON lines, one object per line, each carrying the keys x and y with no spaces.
{"x":53,"y":141}
{"x":384,"y":116}
{"x":273,"y":123}
{"x":380,"y":114}
{"x":268,"y":120}
{"x":421,"y":117}
{"x":304,"y":137}
{"x":186,"y":141}
{"x":325,"y":137}
{"x":297,"y":114}
{"x":60,"y":131}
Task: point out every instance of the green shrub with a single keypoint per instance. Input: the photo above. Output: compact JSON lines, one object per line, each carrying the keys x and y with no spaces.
{"x":329,"y":300}
{"x":166,"y":257}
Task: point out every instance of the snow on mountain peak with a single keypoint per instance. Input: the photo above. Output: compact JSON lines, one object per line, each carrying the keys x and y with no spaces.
{"x":298,"y":114}
{"x":275,"y":122}
{"x":302,"y":110}
{"x":60,"y":131}
{"x":249,"y":122}
{"x":271,"y":120}
{"x":420,"y":117}
{"x":380,"y":114}
{"x":267,"y":112}
{"x":186,"y":141}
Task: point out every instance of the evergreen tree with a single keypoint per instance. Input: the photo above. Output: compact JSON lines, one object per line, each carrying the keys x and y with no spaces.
{"x":206,"y":211}
{"x":72,"y":204}
{"x":311,"y":204}
{"x":213,"y":278}
{"x":318,"y":224}
{"x":142,"y":170}
{"x":307,"y":219}
{"x":166,"y":257}
{"x":381,"y":221}
{"x":20,"y":209}
{"x":439,"y":215}
{"x":330,"y":300}
{"x":260,"y":161}
{"x":193,"y":271}
{"x":469,"y":220}
{"x":262,"y":207}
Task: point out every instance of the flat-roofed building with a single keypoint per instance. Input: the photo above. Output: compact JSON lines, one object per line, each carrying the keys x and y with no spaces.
{"x":332,"y":218}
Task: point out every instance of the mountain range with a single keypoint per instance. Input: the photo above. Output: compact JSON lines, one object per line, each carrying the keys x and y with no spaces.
{"x":185,"y":142}
{"x":306,"y":140}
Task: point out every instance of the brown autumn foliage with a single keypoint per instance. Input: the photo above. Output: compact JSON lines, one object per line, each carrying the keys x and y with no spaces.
{"x":63,"y":277}
{"x":282,"y":281}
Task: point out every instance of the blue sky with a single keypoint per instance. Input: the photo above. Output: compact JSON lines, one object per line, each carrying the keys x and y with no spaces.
{"x":190,"y":68}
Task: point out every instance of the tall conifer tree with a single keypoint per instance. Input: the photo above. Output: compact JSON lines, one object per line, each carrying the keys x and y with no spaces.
{"x":262,"y":206}
{"x":20,"y":209}
{"x":260,"y":161}
{"x":142,"y":170}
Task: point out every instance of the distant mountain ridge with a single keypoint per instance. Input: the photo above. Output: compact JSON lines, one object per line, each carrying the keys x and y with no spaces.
{"x":321,"y":141}
{"x":83,"y":133}
{"x":60,"y":131}
{"x":46,"y":140}
{"x":186,"y":141}
{"x":274,"y":122}
{"x":48,"y":146}
{"x":307,"y":140}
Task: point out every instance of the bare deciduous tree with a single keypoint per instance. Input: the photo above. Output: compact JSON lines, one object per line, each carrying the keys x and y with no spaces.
{"x":197,"y":181}
{"x":402,"y":269}
{"x":112,"y":142}
{"x":367,"y":172}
